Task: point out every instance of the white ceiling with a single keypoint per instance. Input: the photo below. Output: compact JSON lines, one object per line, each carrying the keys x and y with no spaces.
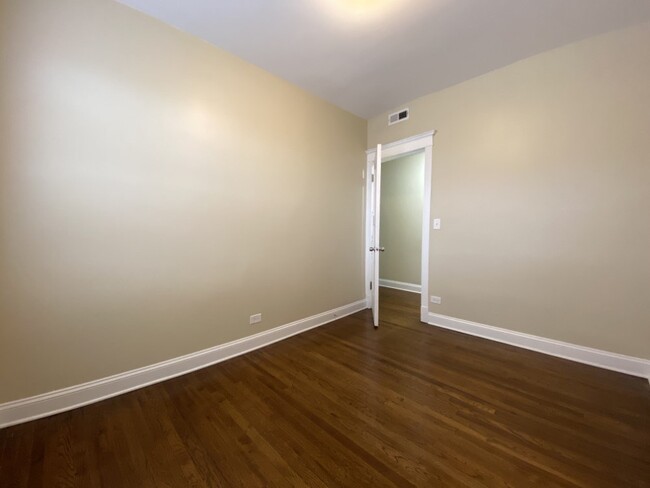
{"x":368,"y":56}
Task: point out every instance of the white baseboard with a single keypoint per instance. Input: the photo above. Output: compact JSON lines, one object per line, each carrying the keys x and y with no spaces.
{"x":400,"y":285}
{"x":35,"y":407}
{"x":594,"y":357}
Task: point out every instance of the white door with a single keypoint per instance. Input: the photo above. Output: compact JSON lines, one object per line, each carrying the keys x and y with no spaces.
{"x":375,"y":248}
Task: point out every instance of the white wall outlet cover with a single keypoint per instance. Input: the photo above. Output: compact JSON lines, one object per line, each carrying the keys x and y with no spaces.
{"x":435,"y":299}
{"x":436,"y":224}
{"x":256,"y":319}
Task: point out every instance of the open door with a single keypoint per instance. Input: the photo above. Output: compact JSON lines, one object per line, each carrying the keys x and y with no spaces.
{"x":409,"y":145}
{"x":375,"y":249}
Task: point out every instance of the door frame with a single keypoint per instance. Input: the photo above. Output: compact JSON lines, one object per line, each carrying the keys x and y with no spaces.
{"x":390,"y":151}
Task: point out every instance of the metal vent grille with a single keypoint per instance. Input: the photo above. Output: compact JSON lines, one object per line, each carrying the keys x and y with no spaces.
{"x":400,"y":116}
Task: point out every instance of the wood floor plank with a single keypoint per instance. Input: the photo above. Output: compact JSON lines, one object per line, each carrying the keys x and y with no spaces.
{"x":345,"y":456}
{"x":463,"y":454}
{"x":15,"y":465}
{"x":403,"y":453}
{"x":347,"y":405}
{"x":458,"y":388}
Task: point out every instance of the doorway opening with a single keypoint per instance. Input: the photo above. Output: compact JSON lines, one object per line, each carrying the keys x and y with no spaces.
{"x":402,"y":194}
{"x":407,"y":151}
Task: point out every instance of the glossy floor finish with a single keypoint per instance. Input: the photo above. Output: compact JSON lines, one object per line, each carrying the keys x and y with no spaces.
{"x":346,"y":405}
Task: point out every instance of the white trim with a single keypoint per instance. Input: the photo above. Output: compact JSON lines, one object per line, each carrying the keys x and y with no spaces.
{"x":426,"y":230}
{"x":371,"y":155}
{"x":369,"y":241}
{"x":424,"y":314}
{"x":400,"y":285}
{"x":425,"y":139}
{"x":587,"y":355}
{"x":390,"y":151}
{"x":35,"y":407}
{"x":404,"y":146}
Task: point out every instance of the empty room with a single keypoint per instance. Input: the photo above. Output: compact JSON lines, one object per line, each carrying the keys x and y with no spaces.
{"x":327,"y":243}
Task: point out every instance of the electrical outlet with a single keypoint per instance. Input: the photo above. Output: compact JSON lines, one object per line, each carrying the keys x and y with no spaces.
{"x":256,"y":319}
{"x":435,"y":299}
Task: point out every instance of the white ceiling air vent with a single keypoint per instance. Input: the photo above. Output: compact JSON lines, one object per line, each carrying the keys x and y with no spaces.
{"x":400,"y":116}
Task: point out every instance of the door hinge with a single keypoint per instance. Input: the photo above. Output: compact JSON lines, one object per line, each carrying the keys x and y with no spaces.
{"x":371,"y":285}
{"x":373,"y":178}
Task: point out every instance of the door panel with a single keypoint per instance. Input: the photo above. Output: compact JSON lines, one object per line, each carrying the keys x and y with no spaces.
{"x":375,"y":249}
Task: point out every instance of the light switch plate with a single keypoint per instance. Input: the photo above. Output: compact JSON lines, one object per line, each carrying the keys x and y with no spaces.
{"x":436,"y":224}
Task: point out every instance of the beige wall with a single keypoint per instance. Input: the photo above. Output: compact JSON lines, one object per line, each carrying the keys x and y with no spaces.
{"x":156,"y":191}
{"x":541,"y":175}
{"x":402,"y":192}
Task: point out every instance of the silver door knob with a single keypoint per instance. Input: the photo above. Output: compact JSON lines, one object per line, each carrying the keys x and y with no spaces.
{"x":380,"y":249}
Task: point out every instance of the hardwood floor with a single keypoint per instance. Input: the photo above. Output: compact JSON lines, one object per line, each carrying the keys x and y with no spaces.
{"x":346,"y":405}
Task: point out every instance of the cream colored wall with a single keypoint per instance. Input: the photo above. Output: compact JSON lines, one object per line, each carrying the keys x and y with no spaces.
{"x":402,"y":192}
{"x":541,"y":175}
{"x":156,"y":191}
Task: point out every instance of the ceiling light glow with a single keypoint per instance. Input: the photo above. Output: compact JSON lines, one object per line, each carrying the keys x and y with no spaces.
{"x":359,"y":10}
